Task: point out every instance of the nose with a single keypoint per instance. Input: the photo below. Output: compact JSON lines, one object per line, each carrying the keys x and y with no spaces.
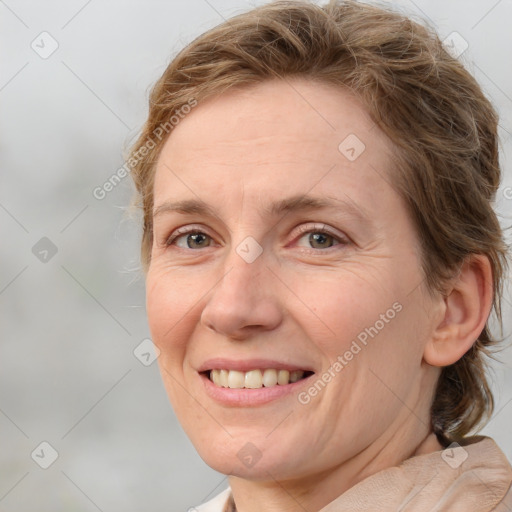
{"x":244,"y":302}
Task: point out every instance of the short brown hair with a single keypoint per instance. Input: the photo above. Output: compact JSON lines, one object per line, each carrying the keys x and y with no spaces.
{"x":423,"y":99}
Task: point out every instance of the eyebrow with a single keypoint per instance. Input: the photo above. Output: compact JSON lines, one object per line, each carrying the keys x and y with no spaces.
{"x":277,"y":208}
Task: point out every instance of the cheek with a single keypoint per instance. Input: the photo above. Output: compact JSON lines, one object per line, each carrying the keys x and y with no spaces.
{"x":169,"y":306}
{"x":368,"y":319}
{"x":338,"y":307}
{"x":170,"y":309}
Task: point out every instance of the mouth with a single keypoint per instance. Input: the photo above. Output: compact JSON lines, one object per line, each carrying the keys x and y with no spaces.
{"x":254,"y":379}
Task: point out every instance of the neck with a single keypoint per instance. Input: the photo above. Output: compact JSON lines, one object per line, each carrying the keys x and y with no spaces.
{"x":315,"y":492}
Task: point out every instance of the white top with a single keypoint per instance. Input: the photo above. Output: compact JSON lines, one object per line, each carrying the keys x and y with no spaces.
{"x":214,"y":505}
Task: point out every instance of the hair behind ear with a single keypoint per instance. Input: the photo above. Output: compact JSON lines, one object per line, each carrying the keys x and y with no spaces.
{"x":463,"y":397}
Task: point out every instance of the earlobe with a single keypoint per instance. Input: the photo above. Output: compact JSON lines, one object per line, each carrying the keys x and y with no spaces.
{"x":466,"y":307}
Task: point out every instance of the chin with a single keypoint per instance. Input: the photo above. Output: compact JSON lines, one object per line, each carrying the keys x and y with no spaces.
{"x":258,"y":460}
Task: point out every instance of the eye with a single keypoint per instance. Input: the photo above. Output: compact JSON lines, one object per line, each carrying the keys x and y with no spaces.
{"x":320,"y":240}
{"x":319,"y":237}
{"x":189,"y":238}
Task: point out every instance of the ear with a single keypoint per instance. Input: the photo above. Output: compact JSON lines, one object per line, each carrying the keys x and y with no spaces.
{"x":465,"y":310}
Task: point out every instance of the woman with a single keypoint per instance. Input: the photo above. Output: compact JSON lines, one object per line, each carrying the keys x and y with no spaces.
{"x":322,"y":258}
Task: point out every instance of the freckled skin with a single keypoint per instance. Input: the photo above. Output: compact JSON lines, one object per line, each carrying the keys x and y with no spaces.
{"x":298,"y":303}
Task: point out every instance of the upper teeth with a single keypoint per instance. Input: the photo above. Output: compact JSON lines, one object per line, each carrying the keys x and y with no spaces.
{"x":254,"y":379}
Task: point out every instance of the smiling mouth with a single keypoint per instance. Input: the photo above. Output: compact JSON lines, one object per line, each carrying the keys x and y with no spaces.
{"x":255,"y":379}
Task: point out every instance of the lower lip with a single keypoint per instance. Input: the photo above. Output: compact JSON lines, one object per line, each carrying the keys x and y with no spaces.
{"x":250,"y":397}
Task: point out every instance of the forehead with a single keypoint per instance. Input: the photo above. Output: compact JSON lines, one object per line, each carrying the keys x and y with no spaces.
{"x":294,"y":135}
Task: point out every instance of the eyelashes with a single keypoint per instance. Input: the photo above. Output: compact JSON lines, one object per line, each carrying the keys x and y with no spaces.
{"x":185,"y":231}
{"x":193,"y":238}
{"x":324,"y":231}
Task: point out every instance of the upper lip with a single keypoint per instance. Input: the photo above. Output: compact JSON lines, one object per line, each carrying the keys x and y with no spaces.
{"x":245,"y":365}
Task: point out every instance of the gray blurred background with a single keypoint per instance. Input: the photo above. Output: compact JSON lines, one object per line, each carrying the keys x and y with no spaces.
{"x":74,"y":78}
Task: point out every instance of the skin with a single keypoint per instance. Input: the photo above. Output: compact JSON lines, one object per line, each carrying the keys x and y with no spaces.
{"x":299,"y":302}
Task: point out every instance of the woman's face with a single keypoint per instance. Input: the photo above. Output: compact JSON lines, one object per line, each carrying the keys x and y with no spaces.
{"x":281,"y":251}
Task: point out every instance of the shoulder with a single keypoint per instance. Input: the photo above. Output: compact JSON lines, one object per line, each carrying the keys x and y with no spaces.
{"x":505,"y":505}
